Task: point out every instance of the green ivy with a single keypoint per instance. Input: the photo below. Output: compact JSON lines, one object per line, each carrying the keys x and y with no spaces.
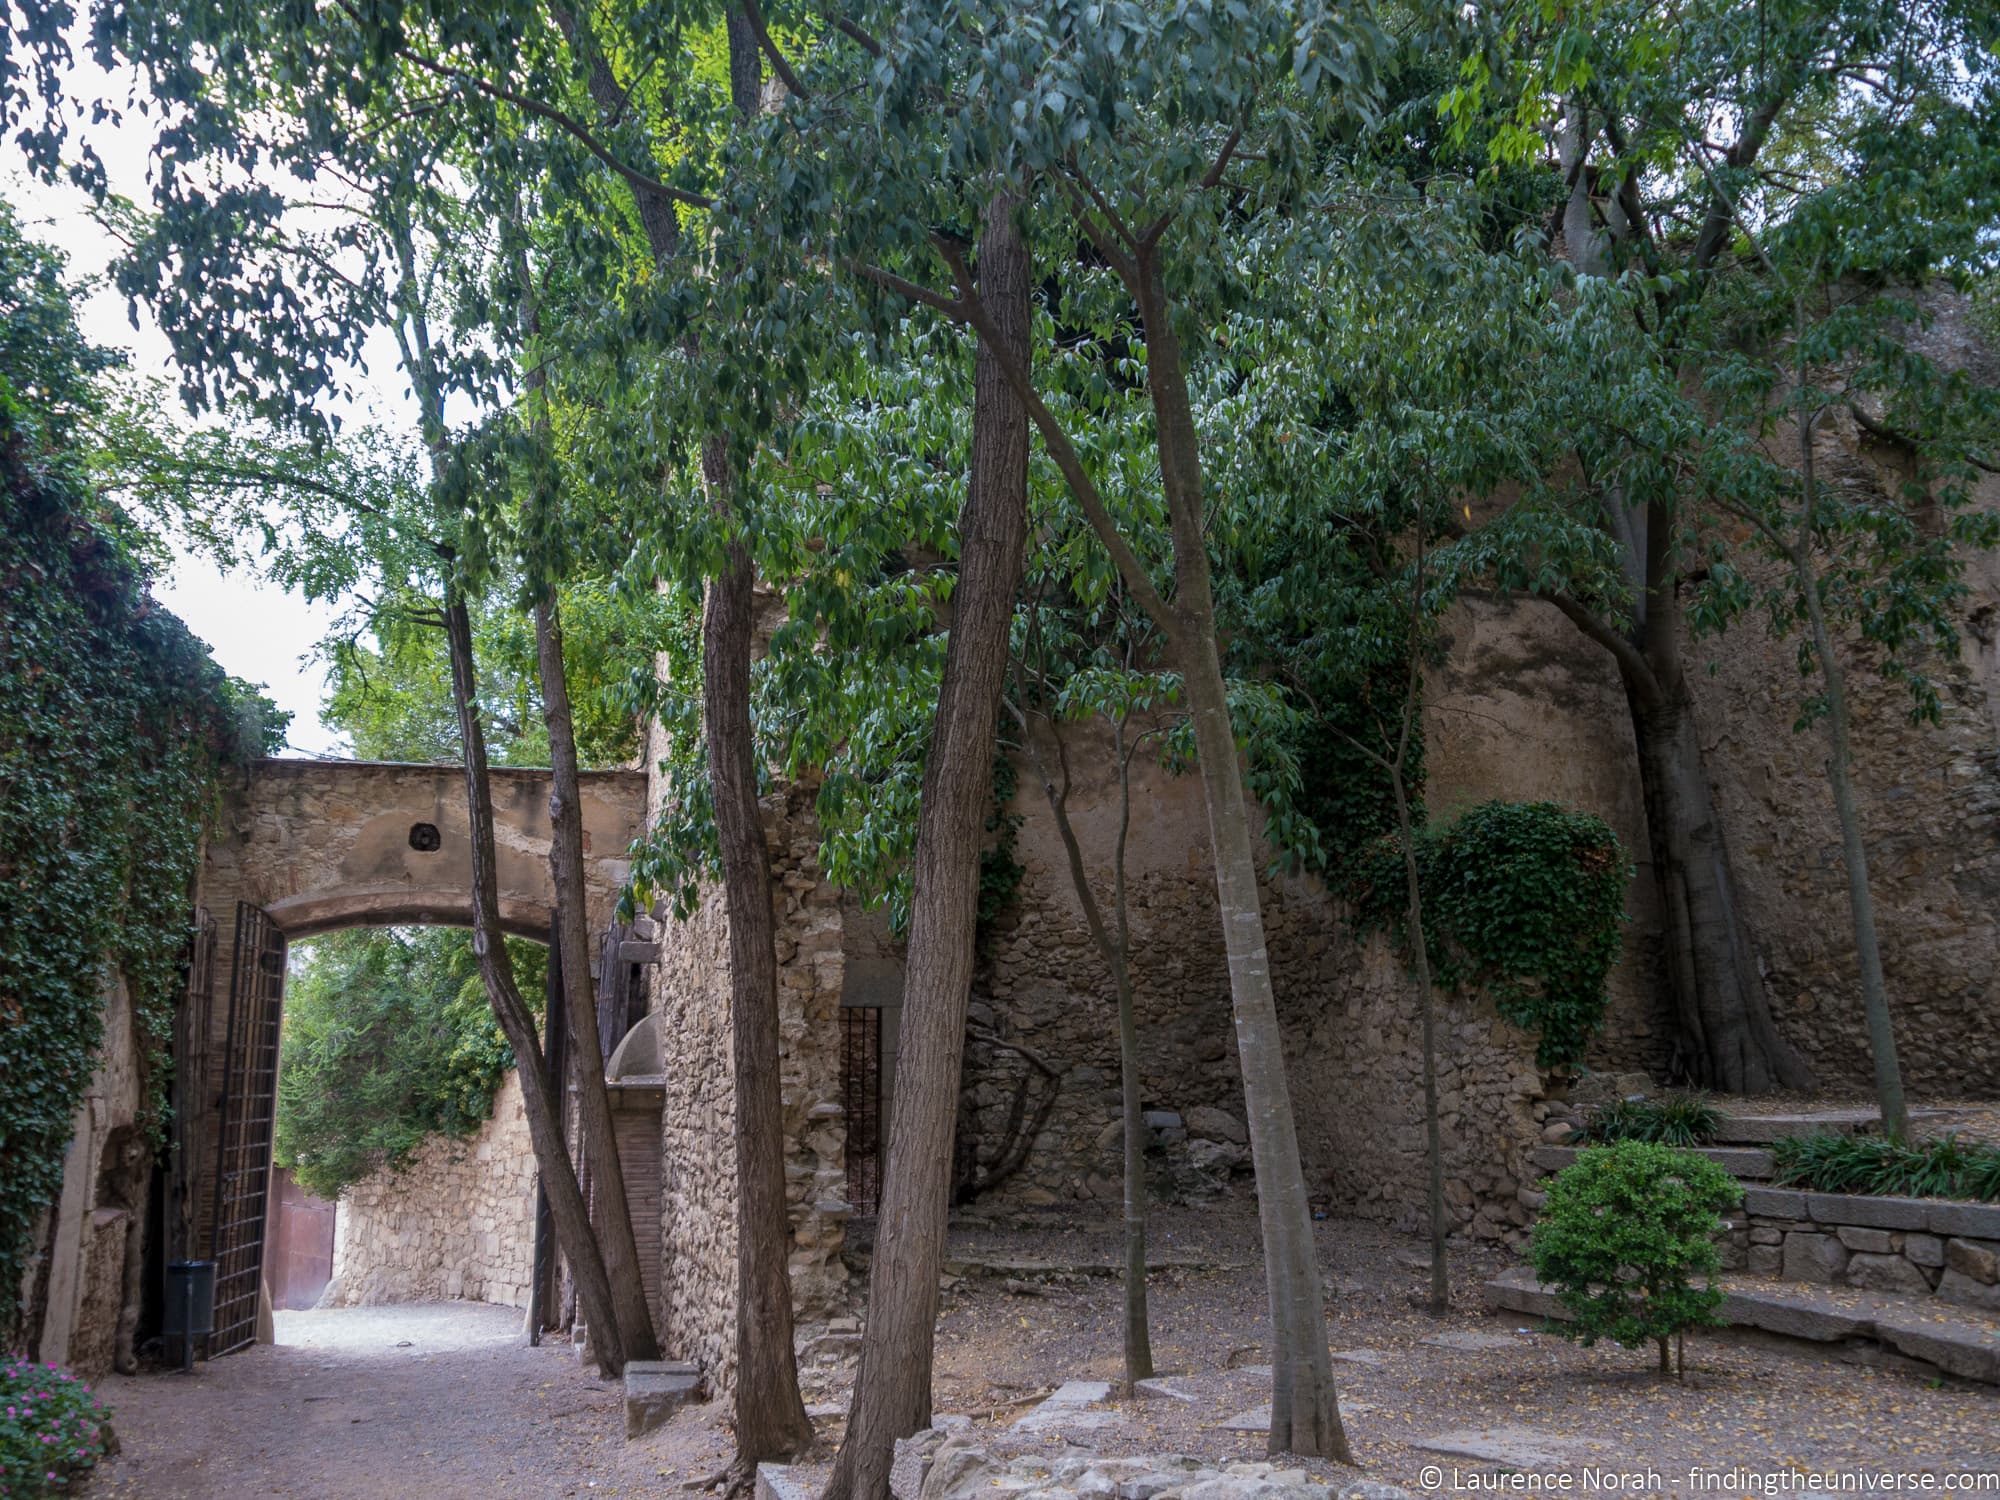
{"x":1522,"y":900}
{"x":999,"y":872}
{"x":114,"y":722}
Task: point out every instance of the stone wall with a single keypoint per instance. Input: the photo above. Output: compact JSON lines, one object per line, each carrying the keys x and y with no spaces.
{"x":689,"y":991}
{"x":457,"y":1223}
{"x":74,"y":1284}
{"x":1919,"y":1246}
{"x":1350,"y":1020}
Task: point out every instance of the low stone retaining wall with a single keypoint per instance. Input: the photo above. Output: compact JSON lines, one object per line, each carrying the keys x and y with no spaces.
{"x":1920,"y":1246}
{"x":458,"y":1222}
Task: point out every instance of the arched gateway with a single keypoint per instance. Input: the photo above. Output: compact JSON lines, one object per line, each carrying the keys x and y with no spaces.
{"x":303,"y":847}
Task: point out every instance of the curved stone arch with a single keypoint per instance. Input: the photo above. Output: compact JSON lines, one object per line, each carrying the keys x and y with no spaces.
{"x":323,"y":845}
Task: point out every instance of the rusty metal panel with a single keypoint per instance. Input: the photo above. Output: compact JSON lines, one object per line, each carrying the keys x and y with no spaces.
{"x":302,"y":1250}
{"x":243,"y":1147}
{"x":861,"y":1097}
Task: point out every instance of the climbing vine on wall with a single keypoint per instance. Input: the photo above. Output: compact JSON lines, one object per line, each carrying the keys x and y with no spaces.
{"x":1523,"y":901}
{"x":113,"y":724}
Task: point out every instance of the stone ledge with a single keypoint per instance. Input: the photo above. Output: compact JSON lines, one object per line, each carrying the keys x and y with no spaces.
{"x":1962,"y":1344}
{"x":1737,"y":1161}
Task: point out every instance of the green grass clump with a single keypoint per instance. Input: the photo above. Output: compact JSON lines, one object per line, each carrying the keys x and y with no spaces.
{"x":1875,"y":1166}
{"x":1677,"y":1120}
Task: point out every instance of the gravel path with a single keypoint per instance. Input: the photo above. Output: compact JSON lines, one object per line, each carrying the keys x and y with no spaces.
{"x":447,"y":1403}
{"x":444,"y":1401}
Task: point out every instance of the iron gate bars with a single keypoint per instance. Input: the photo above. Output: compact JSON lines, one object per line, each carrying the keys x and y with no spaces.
{"x":249,"y":1099}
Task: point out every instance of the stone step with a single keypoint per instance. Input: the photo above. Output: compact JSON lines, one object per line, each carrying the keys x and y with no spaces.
{"x":654,"y":1389}
{"x":1762,"y":1130}
{"x":1747,"y":1163}
{"x":1955,"y":1340}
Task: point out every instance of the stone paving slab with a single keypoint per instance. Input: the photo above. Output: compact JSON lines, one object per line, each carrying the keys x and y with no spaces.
{"x":1511,"y":1445}
{"x":1761,"y":1130}
{"x":1258,"y":1418}
{"x":1070,"y":1407}
{"x":1472,"y":1342}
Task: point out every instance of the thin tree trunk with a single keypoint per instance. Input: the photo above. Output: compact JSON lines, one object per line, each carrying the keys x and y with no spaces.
{"x":892,"y":1390}
{"x":1138,"y":1335}
{"x":1426,"y":1007}
{"x":566,"y":1205}
{"x":771,"y":1419}
{"x":614,"y":1227}
{"x":1854,"y":851}
{"x":1115,"y":949}
{"x":1305,"y":1412}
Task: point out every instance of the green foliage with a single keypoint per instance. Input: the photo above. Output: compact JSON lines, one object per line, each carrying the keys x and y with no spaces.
{"x":1524,"y":900}
{"x":1677,"y":1120}
{"x":388,"y":1041}
{"x":113,"y":724}
{"x":1627,"y":1232}
{"x":1841,"y":1162}
{"x":52,"y":1430}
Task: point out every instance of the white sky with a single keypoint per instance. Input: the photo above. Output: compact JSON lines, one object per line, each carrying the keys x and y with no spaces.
{"x":256,"y":630}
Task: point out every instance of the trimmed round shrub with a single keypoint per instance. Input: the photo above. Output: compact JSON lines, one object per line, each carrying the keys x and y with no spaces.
{"x":1627,"y":1241}
{"x":52,"y":1430}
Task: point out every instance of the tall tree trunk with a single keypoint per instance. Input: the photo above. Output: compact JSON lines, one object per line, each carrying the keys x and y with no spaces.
{"x":1727,"y":1038}
{"x":614,"y":1227}
{"x":558,"y":1176}
{"x":771,"y":1419}
{"x":1305,"y":1412}
{"x":892,"y":1389}
{"x":1724,"y":1036}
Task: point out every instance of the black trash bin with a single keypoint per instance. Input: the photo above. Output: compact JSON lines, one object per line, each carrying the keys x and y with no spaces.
{"x":190,"y":1309}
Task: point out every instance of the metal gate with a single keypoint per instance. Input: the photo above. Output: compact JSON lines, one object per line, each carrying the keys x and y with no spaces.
{"x":249,"y":1100}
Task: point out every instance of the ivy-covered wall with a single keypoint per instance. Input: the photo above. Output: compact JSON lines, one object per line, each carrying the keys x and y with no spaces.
{"x":113,"y":720}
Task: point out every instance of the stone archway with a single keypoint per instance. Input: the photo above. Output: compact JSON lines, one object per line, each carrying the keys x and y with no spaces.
{"x":326,"y":844}
{"x":311,"y":847}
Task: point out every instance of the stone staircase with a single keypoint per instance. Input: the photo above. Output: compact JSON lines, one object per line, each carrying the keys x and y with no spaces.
{"x":1916,"y":1277}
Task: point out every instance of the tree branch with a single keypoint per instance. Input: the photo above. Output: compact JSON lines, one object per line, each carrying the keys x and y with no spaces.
{"x":754,"y":14}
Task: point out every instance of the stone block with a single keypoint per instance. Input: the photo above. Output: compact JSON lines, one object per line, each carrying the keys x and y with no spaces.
{"x":1764,"y":1260}
{"x":775,"y":1482}
{"x":1957,"y":1287}
{"x":1886,"y":1273}
{"x":1970,"y":1221}
{"x":1873,"y":1241}
{"x":1766,"y":1234}
{"x":654,"y":1390}
{"x":1774,"y":1203}
{"x":1818,"y":1258}
{"x":1873,"y":1213}
{"x":1973,"y":1260}
{"x":1923,"y":1250}
{"x":1972,"y":1353}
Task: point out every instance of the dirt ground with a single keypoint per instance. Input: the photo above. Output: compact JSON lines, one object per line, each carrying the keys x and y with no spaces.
{"x":467,"y":1410}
